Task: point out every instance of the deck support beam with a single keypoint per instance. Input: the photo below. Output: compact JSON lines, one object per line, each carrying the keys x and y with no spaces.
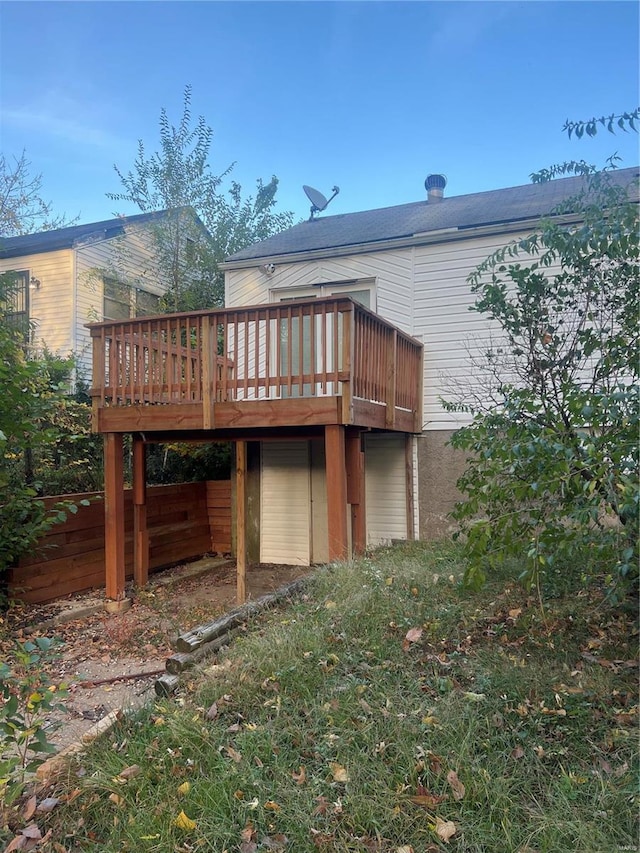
{"x":334,"y":440}
{"x":355,"y":490}
{"x":140,"y":531}
{"x":241,"y":521}
{"x":114,"y":516}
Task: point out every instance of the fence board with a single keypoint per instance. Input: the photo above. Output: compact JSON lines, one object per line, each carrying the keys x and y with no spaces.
{"x":185,"y":521}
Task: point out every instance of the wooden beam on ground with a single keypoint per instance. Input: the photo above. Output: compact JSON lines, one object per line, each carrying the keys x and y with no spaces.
{"x":114,"y":516}
{"x":241,"y":521}
{"x":140,"y":531}
{"x":356,"y":490}
{"x":336,"y":492}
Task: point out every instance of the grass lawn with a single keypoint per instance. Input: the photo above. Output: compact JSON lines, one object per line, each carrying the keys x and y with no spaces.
{"x":390,"y":710}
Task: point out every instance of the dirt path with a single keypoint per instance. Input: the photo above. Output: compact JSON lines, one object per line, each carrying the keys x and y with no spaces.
{"x":100,"y":646}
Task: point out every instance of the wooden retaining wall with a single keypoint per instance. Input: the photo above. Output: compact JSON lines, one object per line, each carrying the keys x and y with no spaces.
{"x":70,"y":558}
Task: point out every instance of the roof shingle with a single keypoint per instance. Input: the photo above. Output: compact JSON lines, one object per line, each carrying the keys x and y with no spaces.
{"x":512,"y":204}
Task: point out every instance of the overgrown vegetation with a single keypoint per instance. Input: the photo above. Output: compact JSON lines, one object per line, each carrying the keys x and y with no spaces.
{"x":29,"y":431}
{"x":27,"y":694}
{"x":391,"y":710}
{"x":553,"y":447}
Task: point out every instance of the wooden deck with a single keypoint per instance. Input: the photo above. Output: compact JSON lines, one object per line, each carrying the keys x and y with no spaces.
{"x":304,"y":363}
{"x":313,"y":367}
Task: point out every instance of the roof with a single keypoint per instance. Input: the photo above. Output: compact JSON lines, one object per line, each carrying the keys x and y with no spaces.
{"x":457,"y":213}
{"x":73,"y":235}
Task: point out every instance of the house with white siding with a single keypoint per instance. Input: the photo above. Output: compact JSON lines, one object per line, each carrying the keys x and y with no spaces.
{"x":409,"y":264}
{"x":68,"y":277}
{"x":326,"y":370}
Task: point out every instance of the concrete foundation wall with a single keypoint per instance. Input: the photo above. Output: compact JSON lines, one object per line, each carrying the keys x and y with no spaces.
{"x":439,"y":466}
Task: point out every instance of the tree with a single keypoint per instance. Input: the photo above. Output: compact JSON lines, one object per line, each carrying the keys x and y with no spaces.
{"x":178,"y":178}
{"x":552,"y":473}
{"x":29,"y":394}
{"x":22,"y":208}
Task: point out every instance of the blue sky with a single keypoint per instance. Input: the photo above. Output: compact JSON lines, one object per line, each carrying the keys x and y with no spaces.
{"x":371,"y":96}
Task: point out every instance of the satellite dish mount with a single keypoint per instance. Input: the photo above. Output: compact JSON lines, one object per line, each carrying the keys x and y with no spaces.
{"x":318,"y":201}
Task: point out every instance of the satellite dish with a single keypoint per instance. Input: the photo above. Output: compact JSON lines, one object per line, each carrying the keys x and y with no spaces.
{"x":318,"y":201}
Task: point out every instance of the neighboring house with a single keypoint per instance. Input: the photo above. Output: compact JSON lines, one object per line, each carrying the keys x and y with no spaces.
{"x":71,"y":276}
{"x":325,"y":369}
{"x":409,"y":264}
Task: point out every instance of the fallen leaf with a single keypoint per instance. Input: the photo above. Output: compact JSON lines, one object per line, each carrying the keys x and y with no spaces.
{"x":116,"y":799}
{"x":212,"y":713}
{"x":445,"y":829}
{"x":183,"y":821}
{"x":339,"y":772}
{"x":30,"y":808}
{"x":301,"y":777}
{"x":47,"y":805}
{"x":456,"y":785}
{"x":517,"y":752}
{"x":248,"y":832}
{"x":233,"y":753}
{"x":18,"y":843}
{"x":274,"y":807}
{"x":515,"y":612}
{"x":435,"y":763}
{"x":183,"y":789}
{"x":426,"y":799}
{"x":129,"y":772}
{"x":406,"y":848}
{"x":31,"y":832}
{"x":322,"y":807}
{"x":413,"y":635}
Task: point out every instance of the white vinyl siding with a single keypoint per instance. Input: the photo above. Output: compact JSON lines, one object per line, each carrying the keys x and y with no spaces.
{"x":128,"y":258}
{"x":385,"y":488}
{"x":390,"y":271}
{"x":319,"y":520}
{"x":285,"y":513}
{"x":423,"y":290}
{"x":51,"y":304}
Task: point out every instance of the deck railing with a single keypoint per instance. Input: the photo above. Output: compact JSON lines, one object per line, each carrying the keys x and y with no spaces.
{"x":304,"y":348}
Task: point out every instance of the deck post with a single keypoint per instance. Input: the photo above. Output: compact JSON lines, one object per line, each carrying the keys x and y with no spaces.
{"x":241,"y":521}
{"x":355,"y":490}
{"x":140,"y":532}
{"x":334,"y":442}
{"x":114,"y":516}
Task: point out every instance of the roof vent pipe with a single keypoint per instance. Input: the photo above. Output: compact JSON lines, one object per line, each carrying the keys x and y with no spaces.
{"x":434,"y":186}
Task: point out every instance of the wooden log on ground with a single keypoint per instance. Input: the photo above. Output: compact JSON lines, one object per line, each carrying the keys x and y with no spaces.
{"x":166,"y":684}
{"x":180,"y":661}
{"x":192,"y":640}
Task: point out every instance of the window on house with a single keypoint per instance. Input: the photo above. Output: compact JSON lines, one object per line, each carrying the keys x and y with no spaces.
{"x":362,"y":291}
{"x":16,"y":301}
{"x":117,"y":300}
{"x":121,"y":301}
{"x":146,"y":303}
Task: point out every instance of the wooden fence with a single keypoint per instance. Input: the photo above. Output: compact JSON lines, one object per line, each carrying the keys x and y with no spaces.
{"x":184,"y":521}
